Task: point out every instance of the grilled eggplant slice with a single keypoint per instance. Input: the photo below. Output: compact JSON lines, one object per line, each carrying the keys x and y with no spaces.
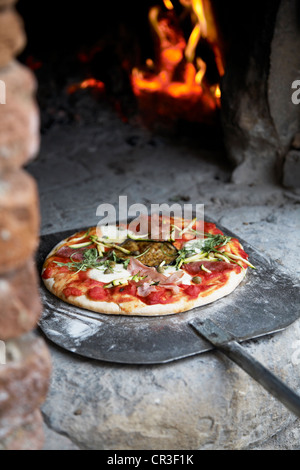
{"x":150,"y":253}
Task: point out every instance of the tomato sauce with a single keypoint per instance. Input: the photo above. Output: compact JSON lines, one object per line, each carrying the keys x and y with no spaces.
{"x":52,"y":269}
{"x":72,"y":291}
{"x":97,"y":293}
{"x":160,"y":296}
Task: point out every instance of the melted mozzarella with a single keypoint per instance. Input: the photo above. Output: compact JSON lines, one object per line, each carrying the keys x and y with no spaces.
{"x":194,"y":246}
{"x":119,"y":272}
{"x":112,"y":233}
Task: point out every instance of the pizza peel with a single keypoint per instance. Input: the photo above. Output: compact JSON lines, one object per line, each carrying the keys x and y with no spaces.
{"x":265,"y":303}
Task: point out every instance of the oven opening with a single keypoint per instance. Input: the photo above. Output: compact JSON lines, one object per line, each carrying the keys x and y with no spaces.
{"x":199,"y":68}
{"x":158,"y":63}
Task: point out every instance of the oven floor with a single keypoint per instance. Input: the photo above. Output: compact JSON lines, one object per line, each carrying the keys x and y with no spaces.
{"x":199,"y":402}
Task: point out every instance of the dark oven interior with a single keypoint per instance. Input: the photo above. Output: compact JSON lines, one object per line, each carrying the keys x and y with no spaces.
{"x":248,"y":52}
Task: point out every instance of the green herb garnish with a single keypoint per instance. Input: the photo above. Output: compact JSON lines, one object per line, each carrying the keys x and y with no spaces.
{"x":126,"y":262}
{"x":90,"y":260}
{"x":214,"y":240}
{"x":204,"y":248}
{"x":200,"y":249}
{"x":180,"y":258}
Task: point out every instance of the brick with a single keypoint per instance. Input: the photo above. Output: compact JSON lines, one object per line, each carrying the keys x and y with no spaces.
{"x":19,"y":79}
{"x":19,"y":118}
{"x":7,"y":3}
{"x":28,"y":436}
{"x":19,"y":220}
{"x":12,"y":35}
{"x":24,"y":381}
{"x":20,"y":301}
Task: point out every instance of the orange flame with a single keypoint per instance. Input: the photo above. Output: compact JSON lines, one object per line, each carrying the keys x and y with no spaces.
{"x":168,"y":4}
{"x":177,"y":72}
{"x":218,"y":92}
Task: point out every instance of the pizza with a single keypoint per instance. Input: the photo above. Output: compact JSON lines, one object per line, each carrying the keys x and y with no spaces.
{"x":114,"y":270}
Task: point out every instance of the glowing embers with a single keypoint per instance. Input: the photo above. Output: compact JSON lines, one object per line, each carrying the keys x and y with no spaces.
{"x":176,"y":83}
{"x":88,"y":83}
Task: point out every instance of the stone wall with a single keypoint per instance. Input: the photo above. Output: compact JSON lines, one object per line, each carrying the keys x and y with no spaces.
{"x":25,"y":362}
{"x":260,"y":121}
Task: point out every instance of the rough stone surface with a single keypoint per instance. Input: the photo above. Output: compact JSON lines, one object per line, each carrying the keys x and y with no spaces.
{"x":12,"y":35}
{"x":284,"y":57}
{"x":296,"y":142}
{"x":24,"y":381}
{"x":19,"y":219}
{"x":249,"y":132}
{"x":191,"y":404}
{"x":286,"y":439}
{"x":258,"y":114}
{"x":55,"y":441}
{"x":20,"y":302}
{"x":291,"y":169}
{"x":204,"y":402}
{"x":19,"y":117}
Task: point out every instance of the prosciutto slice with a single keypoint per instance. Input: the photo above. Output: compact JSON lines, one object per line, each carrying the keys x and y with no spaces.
{"x":151,"y":275}
{"x":67,"y":252}
{"x":145,"y":289}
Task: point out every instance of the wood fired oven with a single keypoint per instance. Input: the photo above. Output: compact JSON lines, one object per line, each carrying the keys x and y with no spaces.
{"x":223,"y":84}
